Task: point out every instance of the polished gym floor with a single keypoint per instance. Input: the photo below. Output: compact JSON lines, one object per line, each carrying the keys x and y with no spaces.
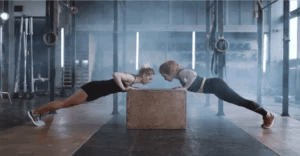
{"x":90,"y":129}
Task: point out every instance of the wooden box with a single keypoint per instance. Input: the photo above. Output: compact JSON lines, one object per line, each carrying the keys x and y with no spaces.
{"x":156,"y":109}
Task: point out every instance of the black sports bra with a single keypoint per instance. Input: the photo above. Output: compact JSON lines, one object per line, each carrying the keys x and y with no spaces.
{"x":196,"y":84}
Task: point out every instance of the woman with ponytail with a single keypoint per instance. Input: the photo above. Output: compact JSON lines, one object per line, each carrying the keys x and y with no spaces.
{"x":121,"y":82}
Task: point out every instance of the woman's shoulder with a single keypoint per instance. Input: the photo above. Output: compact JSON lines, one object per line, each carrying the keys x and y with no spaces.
{"x":129,"y":73}
{"x":126,"y":75}
{"x":186,"y":72}
{"x":121,"y":72}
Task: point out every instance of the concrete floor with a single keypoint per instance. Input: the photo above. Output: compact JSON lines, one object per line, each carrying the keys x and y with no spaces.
{"x":90,"y":129}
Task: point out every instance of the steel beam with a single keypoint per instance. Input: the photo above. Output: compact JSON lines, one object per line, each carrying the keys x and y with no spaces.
{"x":115,"y":52}
{"x":269,"y":37}
{"x":295,"y":13}
{"x":169,"y":28}
{"x":286,"y":41}
{"x":221,"y":67}
{"x":11,"y":47}
{"x":124,"y":42}
{"x":260,"y":39}
{"x":207,"y":47}
{"x":124,"y":35}
{"x":73,"y":26}
{"x":51,"y":49}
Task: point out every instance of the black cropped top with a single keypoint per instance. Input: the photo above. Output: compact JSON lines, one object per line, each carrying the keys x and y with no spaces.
{"x":196,"y":84}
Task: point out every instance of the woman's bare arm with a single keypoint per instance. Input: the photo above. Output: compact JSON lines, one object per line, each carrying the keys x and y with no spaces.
{"x":119,"y":77}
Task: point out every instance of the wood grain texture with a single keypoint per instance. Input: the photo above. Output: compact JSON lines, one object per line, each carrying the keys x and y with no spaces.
{"x":156,"y":109}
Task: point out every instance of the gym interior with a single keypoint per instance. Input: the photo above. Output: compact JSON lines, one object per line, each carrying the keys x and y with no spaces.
{"x":51,"y":48}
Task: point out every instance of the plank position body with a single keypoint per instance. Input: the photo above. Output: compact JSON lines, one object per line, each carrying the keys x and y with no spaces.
{"x":190,"y":81}
{"x":93,"y":90}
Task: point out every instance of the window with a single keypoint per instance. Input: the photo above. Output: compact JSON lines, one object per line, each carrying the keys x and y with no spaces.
{"x":293,"y":32}
{"x":265,"y":52}
{"x":240,"y":12}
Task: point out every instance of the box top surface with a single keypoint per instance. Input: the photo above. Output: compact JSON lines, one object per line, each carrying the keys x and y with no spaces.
{"x":156,"y":89}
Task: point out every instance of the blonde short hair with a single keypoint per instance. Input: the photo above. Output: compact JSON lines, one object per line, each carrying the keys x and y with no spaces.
{"x":169,"y":67}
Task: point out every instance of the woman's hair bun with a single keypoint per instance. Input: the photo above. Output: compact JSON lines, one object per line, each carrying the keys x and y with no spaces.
{"x":145,"y":65}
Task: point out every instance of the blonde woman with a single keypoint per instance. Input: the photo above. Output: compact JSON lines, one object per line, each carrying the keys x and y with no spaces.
{"x":93,"y":90}
{"x":192,"y":82}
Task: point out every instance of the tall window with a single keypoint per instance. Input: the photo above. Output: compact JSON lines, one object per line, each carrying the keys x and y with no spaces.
{"x":293,"y":31}
{"x":62,"y":47}
{"x":265,"y":52}
{"x":137,"y":50}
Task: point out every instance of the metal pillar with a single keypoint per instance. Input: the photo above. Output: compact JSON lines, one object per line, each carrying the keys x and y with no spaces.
{"x":260,"y":39}
{"x":298,"y":36}
{"x":101,"y":58}
{"x":31,"y":58}
{"x":1,"y":59}
{"x":62,"y":89}
{"x":207,"y":47}
{"x":169,"y":33}
{"x":48,"y":61}
{"x":167,"y":45}
{"x":51,"y":49}
{"x":221,"y":67}
{"x":11,"y":47}
{"x":170,"y":13}
{"x":124,"y":35}
{"x":18,"y":73}
{"x":124,"y":42}
{"x":25,"y":58}
{"x":166,"y":53}
{"x":269,"y":38}
{"x":8,"y":44}
{"x":73,"y":3}
{"x":286,"y":40}
{"x":115,"y":50}
{"x":2,"y":64}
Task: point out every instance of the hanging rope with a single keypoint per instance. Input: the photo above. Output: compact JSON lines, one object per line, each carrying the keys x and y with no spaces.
{"x":50,"y":38}
{"x":212,"y":40}
{"x":218,"y":46}
{"x":57,"y":14}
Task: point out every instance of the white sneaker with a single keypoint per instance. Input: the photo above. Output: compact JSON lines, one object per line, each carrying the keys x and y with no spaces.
{"x":36,"y":119}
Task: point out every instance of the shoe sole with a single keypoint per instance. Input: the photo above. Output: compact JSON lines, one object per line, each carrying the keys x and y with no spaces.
{"x":33,"y":120}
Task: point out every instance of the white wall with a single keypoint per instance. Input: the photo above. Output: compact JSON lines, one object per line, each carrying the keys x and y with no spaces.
{"x":32,"y":8}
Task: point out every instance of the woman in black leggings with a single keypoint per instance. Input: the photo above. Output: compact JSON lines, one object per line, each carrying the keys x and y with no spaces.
{"x":93,"y":90}
{"x":191,"y":82}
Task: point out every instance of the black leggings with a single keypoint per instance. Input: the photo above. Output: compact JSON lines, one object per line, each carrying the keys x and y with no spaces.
{"x":224,"y":92}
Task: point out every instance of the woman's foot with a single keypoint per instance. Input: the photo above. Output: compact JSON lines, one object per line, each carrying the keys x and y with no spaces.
{"x":268,"y":121}
{"x":36,"y":119}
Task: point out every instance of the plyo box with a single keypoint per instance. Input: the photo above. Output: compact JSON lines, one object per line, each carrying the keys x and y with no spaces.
{"x":156,"y":109}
